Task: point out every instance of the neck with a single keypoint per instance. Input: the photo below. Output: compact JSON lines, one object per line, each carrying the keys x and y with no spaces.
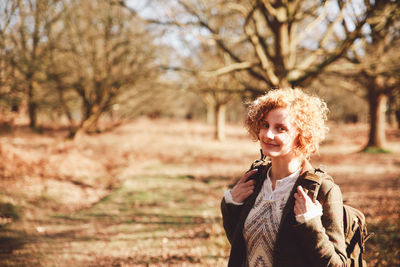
{"x":281,"y":168}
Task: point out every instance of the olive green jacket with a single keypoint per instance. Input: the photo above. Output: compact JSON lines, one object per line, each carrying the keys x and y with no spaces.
{"x":318,"y":242}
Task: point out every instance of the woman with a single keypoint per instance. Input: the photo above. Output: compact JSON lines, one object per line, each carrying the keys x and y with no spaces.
{"x":268,"y":217}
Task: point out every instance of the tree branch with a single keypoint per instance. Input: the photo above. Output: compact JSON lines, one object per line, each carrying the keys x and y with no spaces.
{"x":228,"y":69}
{"x":260,"y":49}
{"x":334,"y":55}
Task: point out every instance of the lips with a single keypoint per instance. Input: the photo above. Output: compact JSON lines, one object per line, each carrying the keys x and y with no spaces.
{"x":270,"y":144}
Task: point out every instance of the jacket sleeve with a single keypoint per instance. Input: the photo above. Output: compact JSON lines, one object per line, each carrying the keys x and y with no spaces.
{"x":323,"y":236}
{"x":230,"y":215}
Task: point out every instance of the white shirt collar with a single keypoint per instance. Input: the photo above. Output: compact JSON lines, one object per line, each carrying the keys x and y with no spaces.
{"x":283,"y":186}
{"x":286,"y":179}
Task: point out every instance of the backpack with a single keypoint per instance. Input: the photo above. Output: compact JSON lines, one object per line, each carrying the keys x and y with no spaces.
{"x":355,"y":228}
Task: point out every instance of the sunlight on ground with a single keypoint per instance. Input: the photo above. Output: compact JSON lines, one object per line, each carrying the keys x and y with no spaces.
{"x":148,"y":193}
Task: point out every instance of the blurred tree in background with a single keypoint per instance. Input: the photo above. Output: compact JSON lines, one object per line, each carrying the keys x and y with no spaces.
{"x":104,"y":52}
{"x":72,"y":58}
{"x":277,"y":43}
{"x":75,"y":62}
{"x":270,"y":44}
{"x":215,"y":91}
{"x":32,"y":27}
{"x":377,"y":65}
{"x":7,"y":11}
{"x":371,"y":69}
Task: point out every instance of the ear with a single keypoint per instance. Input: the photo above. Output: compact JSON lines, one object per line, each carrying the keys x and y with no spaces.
{"x":298,"y":140}
{"x":298,"y":144}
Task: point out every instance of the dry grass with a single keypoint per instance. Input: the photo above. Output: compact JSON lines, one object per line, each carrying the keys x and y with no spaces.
{"x":148,"y":192}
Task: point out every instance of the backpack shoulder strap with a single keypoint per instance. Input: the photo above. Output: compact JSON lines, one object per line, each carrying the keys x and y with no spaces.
{"x":259,"y":162}
{"x":313,"y":181}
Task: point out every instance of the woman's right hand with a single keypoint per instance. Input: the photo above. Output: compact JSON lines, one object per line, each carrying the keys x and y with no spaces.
{"x":243,"y":189}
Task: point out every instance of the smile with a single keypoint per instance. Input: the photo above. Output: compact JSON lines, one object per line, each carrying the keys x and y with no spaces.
{"x":270,"y":144}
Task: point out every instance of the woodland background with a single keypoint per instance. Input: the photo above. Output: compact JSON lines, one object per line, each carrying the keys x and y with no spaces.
{"x":121,"y":121}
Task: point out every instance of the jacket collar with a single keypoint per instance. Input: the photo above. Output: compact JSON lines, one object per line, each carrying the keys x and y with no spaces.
{"x":288,"y":213}
{"x":305,"y":167}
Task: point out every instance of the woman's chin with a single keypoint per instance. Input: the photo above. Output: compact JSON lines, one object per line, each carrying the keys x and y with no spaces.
{"x":269,"y":153}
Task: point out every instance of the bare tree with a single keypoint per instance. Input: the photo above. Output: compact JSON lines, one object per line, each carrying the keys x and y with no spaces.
{"x":7,"y":11}
{"x":277,"y":43}
{"x":216,"y":91}
{"x":375,"y":66}
{"x":379,"y":68}
{"x":30,"y":47}
{"x":106,"y":52}
{"x":269,"y":43}
{"x":66,"y":54}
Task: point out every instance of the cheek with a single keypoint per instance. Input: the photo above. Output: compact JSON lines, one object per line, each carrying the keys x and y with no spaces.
{"x":295,"y":141}
{"x":261,"y":133}
{"x":288,"y":140}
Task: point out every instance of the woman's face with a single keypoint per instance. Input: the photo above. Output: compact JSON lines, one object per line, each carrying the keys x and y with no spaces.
{"x":278,"y":134}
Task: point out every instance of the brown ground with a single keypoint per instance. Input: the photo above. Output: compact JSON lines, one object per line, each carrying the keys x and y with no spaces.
{"x":147,"y":193}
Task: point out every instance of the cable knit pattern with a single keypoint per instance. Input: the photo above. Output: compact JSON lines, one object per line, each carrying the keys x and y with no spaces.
{"x":260,"y":230}
{"x":317,"y":242}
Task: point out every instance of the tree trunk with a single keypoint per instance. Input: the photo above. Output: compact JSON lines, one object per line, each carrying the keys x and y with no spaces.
{"x":89,"y":125}
{"x":211,"y":113}
{"x":377,"y":108}
{"x":86,"y":127}
{"x":391,"y":112}
{"x":72,"y":128}
{"x":86,"y":110}
{"x":64,"y":106}
{"x":32,"y":109}
{"x":210,"y":101}
{"x":220,"y":114}
{"x":397,"y":112}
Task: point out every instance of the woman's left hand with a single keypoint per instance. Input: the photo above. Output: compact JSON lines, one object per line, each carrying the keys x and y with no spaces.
{"x":303,"y":202}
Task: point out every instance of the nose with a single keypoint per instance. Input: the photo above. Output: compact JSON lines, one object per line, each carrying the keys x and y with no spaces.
{"x":267,"y":133}
{"x":270,"y":134}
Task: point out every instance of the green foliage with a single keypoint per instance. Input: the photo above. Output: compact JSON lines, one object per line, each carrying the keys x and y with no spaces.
{"x":8,"y":210}
{"x":384,"y":245}
{"x":376,"y":150}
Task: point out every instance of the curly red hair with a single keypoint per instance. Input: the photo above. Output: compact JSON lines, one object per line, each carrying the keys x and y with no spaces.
{"x":309,"y":114}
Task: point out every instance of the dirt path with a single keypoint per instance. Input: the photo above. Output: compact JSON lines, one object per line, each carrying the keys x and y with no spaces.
{"x":147,"y":221}
{"x":162,"y":206}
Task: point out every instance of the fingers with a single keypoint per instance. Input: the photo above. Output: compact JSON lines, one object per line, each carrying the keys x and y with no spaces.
{"x":246,"y":193}
{"x":243,"y":189}
{"x":248,"y":184}
{"x":247,"y":175}
{"x":240,"y":194}
{"x":303,"y":202}
{"x":297,"y":210}
{"x":298,"y":197}
{"x":244,"y":186}
{"x":299,"y":204}
{"x":300,"y":190}
{"x":316,"y":202}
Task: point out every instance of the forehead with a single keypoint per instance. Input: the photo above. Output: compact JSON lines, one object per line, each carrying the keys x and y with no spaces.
{"x":279,"y":115}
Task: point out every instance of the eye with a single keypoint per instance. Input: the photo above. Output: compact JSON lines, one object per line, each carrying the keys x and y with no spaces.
{"x":282,"y":129}
{"x":266,"y":125}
